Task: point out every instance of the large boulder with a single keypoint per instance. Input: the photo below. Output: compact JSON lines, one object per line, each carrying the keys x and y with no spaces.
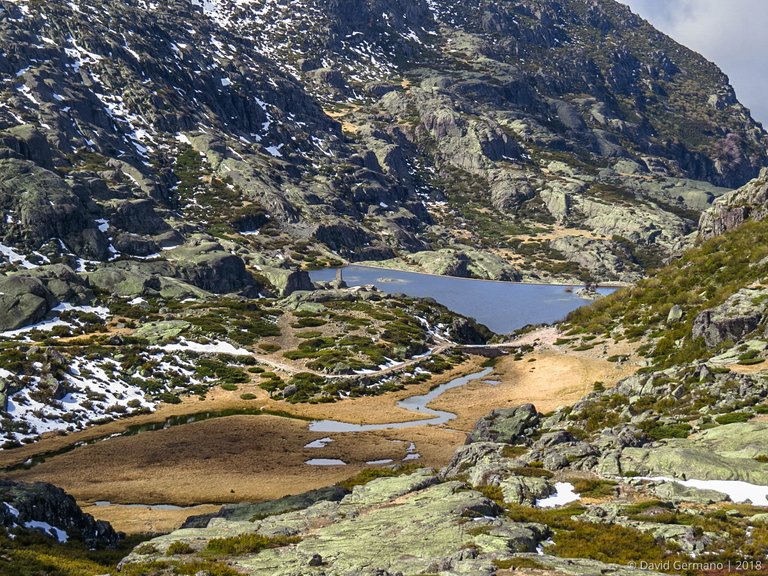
{"x":29,"y":143}
{"x":137,"y":217}
{"x":732,"y":320}
{"x":207,"y":265}
{"x":131,"y":279}
{"x":723,"y":453}
{"x":286,"y":281}
{"x":27,"y":297}
{"x":750,"y":202}
{"x":23,"y":300}
{"x":62,"y":282}
{"x":509,"y":425}
{"x":43,"y":206}
{"x":250,"y":512}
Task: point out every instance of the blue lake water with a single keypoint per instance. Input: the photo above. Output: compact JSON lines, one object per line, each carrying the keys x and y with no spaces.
{"x":502,"y":306}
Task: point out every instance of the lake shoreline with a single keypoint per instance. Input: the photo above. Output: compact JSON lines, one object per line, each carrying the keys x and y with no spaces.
{"x":503,"y":307}
{"x":571,"y":284}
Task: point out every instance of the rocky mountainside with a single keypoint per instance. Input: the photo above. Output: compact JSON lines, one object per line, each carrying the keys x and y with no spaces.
{"x":309,"y":132}
{"x":734,"y":208}
{"x":169,"y":170}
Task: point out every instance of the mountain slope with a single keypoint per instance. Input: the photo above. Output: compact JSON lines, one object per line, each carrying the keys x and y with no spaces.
{"x":368,"y":130}
{"x":477,"y":107}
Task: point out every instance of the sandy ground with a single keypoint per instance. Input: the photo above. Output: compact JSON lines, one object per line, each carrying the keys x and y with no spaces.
{"x":251,"y":458}
{"x":547,"y":379}
{"x":749,"y":369}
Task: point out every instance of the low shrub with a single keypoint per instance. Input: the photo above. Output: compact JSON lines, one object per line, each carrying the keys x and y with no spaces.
{"x":179,"y":547}
{"x":247,"y":544}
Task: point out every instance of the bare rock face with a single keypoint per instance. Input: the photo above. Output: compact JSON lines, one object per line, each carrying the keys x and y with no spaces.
{"x":741,"y":314}
{"x":506,"y":425}
{"x":750,"y":202}
{"x":27,"y":297}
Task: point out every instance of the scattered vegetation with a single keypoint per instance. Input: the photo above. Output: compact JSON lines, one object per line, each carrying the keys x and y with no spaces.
{"x":31,"y":553}
{"x":702,"y":278}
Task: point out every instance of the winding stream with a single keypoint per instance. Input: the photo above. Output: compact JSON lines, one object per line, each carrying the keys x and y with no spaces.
{"x":412,"y":403}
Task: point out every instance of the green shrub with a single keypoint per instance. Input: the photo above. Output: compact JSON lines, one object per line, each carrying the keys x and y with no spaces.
{"x":269,"y":347}
{"x":179,"y":547}
{"x":493,"y":493}
{"x":247,"y":544}
{"x":613,"y":544}
{"x":659,"y":431}
{"x":594,"y":488}
{"x":513,"y":451}
{"x":193,"y":568}
{"x":533,"y":472}
{"x":309,"y":323}
{"x":733,"y":418}
{"x":518,"y":563}
{"x":368,"y":474}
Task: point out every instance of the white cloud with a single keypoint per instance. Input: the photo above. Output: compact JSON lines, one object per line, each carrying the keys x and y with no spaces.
{"x":731,"y":33}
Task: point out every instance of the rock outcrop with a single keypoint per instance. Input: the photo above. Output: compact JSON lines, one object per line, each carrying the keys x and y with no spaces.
{"x":732,"y":320}
{"x":507,"y":425}
{"x":750,"y":202}
{"x":53,"y":512}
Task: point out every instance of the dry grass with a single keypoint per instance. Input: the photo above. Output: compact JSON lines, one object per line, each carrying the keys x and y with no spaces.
{"x":252,"y":458}
{"x":135,"y":520}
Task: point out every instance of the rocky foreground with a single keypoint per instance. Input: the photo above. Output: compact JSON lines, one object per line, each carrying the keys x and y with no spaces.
{"x":499,"y":504}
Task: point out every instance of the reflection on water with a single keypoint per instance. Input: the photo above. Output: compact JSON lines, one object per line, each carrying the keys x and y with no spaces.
{"x":502,"y":306}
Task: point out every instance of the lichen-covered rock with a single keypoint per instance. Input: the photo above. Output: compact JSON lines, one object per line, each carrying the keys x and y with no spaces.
{"x":507,"y":425}
{"x":723,"y":453}
{"x":163,"y":331}
{"x":674,"y":492}
{"x":732,"y":320}
{"x":23,"y":300}
{"x":406,"y":525}
{"x":525,"y":490}
{"x":750,"y":202}
{"x":286,"y":281}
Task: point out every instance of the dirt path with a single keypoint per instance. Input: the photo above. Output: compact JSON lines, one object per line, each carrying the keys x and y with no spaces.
{"x":290,"y":369}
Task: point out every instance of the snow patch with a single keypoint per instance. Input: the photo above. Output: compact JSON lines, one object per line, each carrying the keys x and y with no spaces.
{"x":217,"y":347}
{"x":319,"y":443}
{"x":564,"y":494}
{"x":737,"y":490}
{"x":57,"y":533}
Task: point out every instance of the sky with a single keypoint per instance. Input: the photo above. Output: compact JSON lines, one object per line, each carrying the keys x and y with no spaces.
{"x":730,"y":33}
